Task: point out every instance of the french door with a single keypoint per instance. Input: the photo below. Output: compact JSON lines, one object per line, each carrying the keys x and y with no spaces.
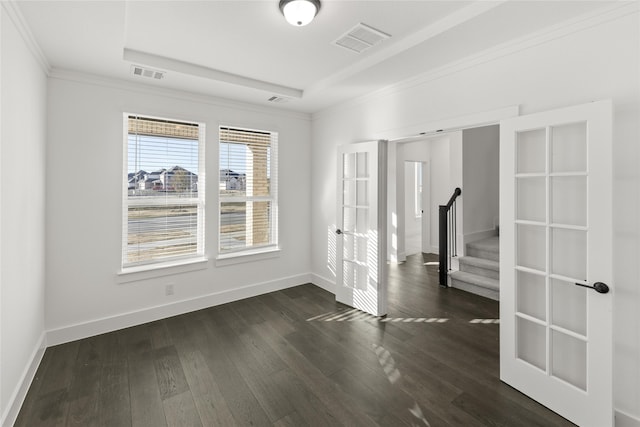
{"x":556,"y":288}
{"x":361,"y":227}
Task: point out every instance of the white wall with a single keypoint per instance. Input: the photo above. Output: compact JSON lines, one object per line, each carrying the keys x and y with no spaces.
{"x":22,"y":209}
{"x":84,"y":207}
{"x":594,"y":60}
{"x":440,"y":184}
{"x":480,"y":179}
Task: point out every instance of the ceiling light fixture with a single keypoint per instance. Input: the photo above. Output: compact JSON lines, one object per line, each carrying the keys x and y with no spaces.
{"x":299,"y":12}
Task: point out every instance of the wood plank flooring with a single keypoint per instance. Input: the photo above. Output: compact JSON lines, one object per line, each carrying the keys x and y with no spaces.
{"x":293,"y":358}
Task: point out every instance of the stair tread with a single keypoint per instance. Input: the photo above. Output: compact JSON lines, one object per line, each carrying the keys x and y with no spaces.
{"x":475,"y":279}
{"x":490,"y":244}
{"x":480,"y":262}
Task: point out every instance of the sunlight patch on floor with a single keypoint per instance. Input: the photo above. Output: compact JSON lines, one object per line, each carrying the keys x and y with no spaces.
{"x":354,"y":315}
{"x":414,"y":319}
{"x":485,"y":321}
{"x":388,"y":365}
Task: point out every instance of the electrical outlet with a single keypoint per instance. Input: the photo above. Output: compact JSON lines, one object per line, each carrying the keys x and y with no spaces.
{"x":168,"y":289}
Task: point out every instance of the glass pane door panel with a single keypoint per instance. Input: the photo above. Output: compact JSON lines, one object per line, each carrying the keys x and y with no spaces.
{"x":569,"y":200}
{"x":569,"y":253}
{"x":531,"y":295}
{"x":362,"y":165}
{"x":355,"y":248}
{"x":354,"y":275}
{"x":362,"y":220}
{"x":349,"y":247}
{"x":362,"y":244}
{"x":349,"y":219}
{"x":532,"y":199}
{"x":569,"y":148}
{"x":569,"y":306}
{"x":531,"y":345}
{"x":531,"y":246}
{"x":569,"y":359}
{"x":531,"y":151}
{"x":349,"y":165}
{"x":349,"y":192}
{"x":362,"y":194}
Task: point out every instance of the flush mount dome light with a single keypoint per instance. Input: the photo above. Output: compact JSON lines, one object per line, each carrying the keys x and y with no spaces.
{"x":299,"y":12}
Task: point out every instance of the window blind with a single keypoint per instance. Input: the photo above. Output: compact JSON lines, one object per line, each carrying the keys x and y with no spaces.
{"x":164,"y":195}
{"x":247,"y":189}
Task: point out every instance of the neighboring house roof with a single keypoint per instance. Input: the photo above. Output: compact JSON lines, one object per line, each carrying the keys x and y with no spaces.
{"x":230,"y":173}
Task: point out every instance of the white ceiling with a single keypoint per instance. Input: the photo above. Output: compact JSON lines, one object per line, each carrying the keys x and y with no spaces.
{"x":245,"y":50}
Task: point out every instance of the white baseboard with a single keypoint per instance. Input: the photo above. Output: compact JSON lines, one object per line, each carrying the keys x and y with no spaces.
{"x":324,"y":283}
{"x":99,"y":326}
{"x":17,"y":398}
{"x":138,"y":317}
{"x":625,"y":420}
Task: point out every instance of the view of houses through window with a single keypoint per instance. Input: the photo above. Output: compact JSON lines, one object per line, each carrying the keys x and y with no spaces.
{"x":248,"y":190}
{"x":163,"y":205}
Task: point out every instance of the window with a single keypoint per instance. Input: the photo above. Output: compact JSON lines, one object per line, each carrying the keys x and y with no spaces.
{"x":163,"y":209}
{"x":248,"y":190}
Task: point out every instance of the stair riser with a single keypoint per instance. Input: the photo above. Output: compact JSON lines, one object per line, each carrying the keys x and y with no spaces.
{"x":486,"y":272}
{"x":478,"y":290}
{"x":479,"y":253}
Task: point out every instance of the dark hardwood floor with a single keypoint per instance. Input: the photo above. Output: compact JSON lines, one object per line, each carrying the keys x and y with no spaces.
{"x":293,"y":358}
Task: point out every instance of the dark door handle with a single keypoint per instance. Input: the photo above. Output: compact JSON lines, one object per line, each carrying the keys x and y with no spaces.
{"x":599,"y":287}
{"x":338,"y":231}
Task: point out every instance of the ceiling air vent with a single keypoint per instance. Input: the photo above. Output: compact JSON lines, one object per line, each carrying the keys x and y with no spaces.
{"x":139,"y":71}
{"x":360,"y":38}
{"x":278,"y":99}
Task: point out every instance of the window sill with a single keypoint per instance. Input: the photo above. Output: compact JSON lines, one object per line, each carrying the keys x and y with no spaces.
{"x":150,"y":271}
{"x":247,"y":256}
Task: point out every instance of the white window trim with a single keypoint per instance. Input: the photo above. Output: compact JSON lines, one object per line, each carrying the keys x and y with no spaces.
{"x":248,"y":255}
{"x":198,"y":261}
{"x":162,"y":269}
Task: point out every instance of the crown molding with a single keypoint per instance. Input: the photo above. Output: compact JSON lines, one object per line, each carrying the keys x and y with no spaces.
{"x":143,"y":88}
{"x":617,"y":9}
{"x":15,"y":14}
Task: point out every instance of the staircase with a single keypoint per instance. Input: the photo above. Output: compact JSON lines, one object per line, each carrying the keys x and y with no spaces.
{"x":480,"y":269}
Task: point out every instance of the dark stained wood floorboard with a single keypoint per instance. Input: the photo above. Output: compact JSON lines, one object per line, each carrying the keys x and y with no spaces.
{"x":293,"y":358}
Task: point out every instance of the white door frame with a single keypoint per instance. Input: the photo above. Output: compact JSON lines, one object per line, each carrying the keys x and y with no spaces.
{"x":427,"y":130}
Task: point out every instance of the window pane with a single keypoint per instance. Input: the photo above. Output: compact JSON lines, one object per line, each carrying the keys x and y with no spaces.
{"x":233,"y":169}
{"x":159,"y":232}
{"x":244,"y":225}
{"x":162,"y":204}
{"x":247,"y":189}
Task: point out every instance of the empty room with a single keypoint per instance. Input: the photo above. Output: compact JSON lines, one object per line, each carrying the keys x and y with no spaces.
{"x":320,"y":212}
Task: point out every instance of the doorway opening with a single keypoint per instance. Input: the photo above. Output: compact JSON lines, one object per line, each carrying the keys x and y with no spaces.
{"x":414,"y":236}
{"x":423,"y":173}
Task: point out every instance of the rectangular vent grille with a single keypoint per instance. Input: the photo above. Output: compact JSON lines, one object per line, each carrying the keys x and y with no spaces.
{"x":278,"y":99}
{"x":360,"y":38}
{"x":139,"y":71}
